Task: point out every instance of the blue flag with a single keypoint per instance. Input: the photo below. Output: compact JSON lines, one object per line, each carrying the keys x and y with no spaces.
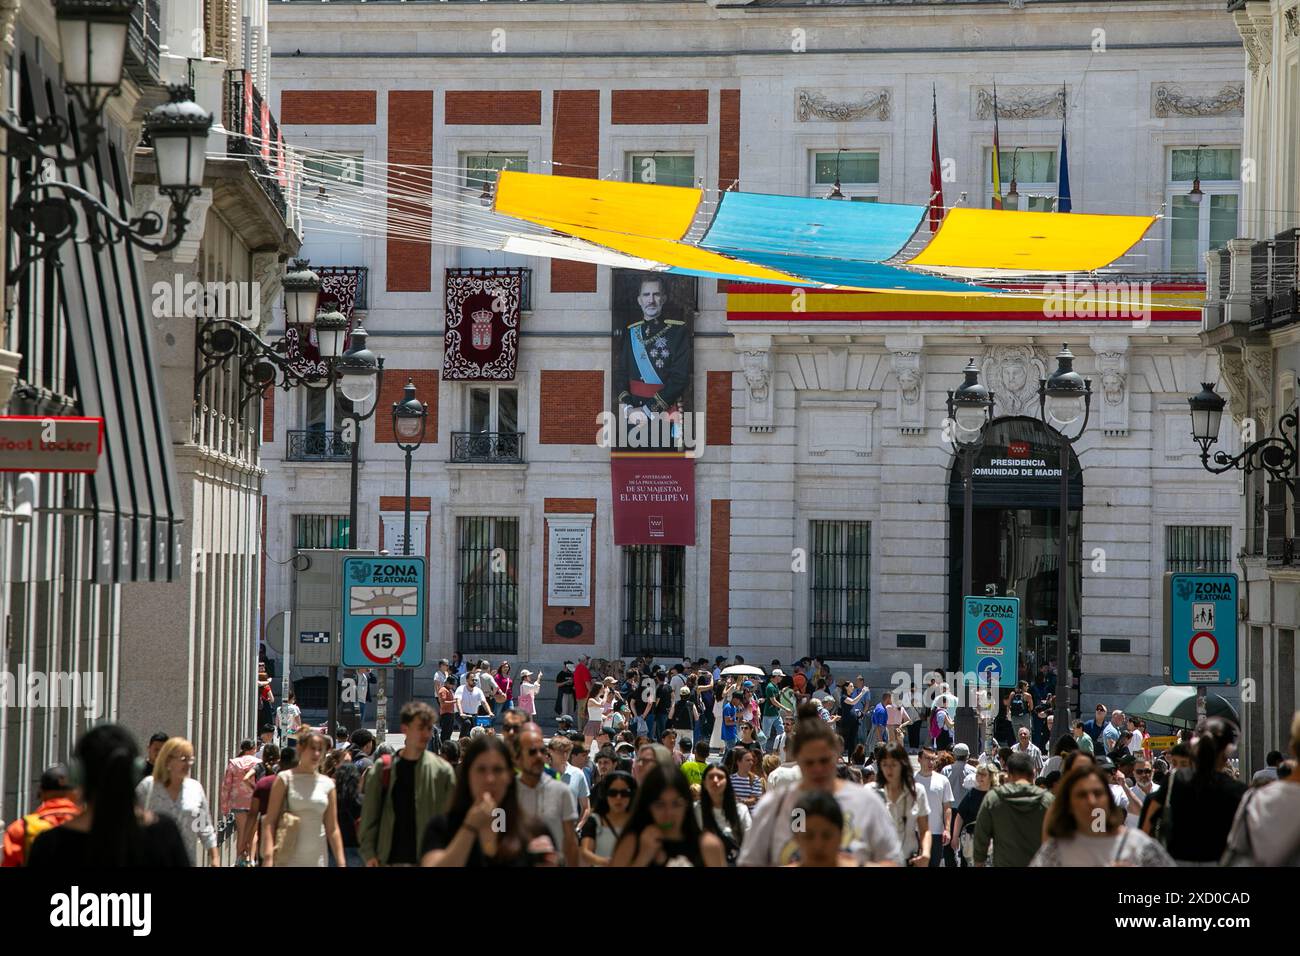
{"x":1063,"y":188}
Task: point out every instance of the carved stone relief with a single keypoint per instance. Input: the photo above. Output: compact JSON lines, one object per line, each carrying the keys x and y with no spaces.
{"x":757,"y":368}
{"x":1112,"y":368}
{"x":910,"y":375}
{"x":813,"y":106}
{"x":1012,"y":373}
{"x":1170,"y":99}
{"x":1020,"y":102}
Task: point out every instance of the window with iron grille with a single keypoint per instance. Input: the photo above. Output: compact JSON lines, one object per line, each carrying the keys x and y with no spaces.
{"x":320,"y":531}
{"x":654,"y":600}
{"x":488,"y":590}
{"x":1191,"y":548}
{"x":840,"y":590}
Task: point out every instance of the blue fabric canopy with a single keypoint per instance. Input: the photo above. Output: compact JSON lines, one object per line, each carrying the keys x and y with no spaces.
{"x":862,"y":275}
{"x":747,"y":223}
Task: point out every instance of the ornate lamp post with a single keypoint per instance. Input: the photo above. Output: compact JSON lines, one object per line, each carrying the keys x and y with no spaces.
{"x":1064,"y":398}
{"x":970,"y":410}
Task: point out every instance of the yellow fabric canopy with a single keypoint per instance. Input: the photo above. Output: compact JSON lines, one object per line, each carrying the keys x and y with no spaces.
{"x":985,"y":239}
{"x":637,"y":209}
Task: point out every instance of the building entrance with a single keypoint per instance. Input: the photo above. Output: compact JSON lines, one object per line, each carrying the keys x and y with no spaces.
{"x":1015,"y":527}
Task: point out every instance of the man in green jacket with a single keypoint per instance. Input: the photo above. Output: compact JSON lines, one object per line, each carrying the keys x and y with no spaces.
{"x":1011,"y":817}
{"x":419,"y":785}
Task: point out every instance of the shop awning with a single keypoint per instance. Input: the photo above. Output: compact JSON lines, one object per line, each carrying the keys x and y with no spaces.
{"x":136,"y":507}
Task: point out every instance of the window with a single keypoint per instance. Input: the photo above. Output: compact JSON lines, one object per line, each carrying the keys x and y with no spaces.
{"x":858,"y":170}
{"x":493,"y":409}
{"x":1194,"y":548}
{"x":654,"y":600}
{"x":320,"y":531}
{"x":321,"y":170}
{"x":1034,"y":171}
{"x":1198,"y":228}
{"x":488,"y":591}
{"x":840,"y":590}
{"x":481,"y":169}
{"x":663,"y":168}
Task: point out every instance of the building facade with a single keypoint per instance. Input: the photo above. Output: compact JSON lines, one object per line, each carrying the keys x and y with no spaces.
{"x":825,"y":518}
{"x":1251,"y":322}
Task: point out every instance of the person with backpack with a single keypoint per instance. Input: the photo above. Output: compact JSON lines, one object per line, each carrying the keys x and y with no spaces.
{"x":941,"y":727}
{"x":57,"y":806}
{"x":403,"y":792}
{"x":1020,"y":708}
{"x":1011,"y":817}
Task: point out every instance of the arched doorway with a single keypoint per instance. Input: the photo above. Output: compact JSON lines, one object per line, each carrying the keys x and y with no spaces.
{"x":1016,"y":495}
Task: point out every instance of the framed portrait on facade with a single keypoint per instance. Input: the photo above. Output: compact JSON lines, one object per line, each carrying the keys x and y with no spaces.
{"x":653,"y":316}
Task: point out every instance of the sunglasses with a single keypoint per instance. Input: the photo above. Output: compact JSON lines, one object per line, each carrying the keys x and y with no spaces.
{"x":621,"y":794}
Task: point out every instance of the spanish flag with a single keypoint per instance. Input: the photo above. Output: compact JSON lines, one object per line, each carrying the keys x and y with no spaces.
{"x":997,"y":173}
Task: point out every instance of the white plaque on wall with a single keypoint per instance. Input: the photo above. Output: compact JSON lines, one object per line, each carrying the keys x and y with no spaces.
{"x":395,"y":531}
{"x":568,"y":560}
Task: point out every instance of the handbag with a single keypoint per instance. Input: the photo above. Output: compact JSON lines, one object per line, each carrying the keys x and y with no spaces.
{"x":288,"y":826}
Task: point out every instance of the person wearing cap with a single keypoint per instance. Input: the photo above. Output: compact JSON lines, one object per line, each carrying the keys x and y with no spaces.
{"x":57,"y":806}
{"x":529,"y":687}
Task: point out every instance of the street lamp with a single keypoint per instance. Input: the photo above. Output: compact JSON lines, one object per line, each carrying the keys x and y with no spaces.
{"x":301,"y":293}
{"x":410,"y":417}
{"x":836,"y":192}
{"x":1195,"y":195}
{"x":1063,"y":398}
{"x":1013,"y":195}
{"x":970,"y":410}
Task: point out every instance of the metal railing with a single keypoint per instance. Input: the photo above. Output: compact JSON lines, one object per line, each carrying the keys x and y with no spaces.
{"x":526,"y":283}
{"x":1261,"y":276}
{"x":839,"y":593}
{"x":1284,"y":285}
{"x":143,"y":37}
{"x":654,"y":597}
{"x":255,"y":135}
{"x":487,"y":447}
{"x":487,"y":620}
{"x":361,"y":272}
{"x":316,"y":445}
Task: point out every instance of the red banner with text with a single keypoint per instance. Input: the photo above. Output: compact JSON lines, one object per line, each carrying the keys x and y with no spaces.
{"x":654,"y":500}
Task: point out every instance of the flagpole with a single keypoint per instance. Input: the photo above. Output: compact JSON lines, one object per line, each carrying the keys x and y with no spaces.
{"x":997,"y":146}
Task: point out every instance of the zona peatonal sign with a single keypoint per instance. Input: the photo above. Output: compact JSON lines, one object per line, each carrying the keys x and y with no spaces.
{"x":991,"y":638}
{"x":35,"y":443}
{"x":1200,"y":628}
{"x":383,"y":611}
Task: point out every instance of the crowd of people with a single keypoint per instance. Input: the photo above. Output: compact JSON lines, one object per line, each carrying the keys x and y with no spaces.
{"x":677,"y":766}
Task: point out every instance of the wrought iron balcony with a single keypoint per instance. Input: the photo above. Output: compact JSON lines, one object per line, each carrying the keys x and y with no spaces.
{"x":362,"y":274}
{"x":313,"y":444}
{"x":487,"y":447}
{"x":255,"y":135}
{"x":1284,"y":283}
{"x":526,"y":292}
{"x":143,"y":36}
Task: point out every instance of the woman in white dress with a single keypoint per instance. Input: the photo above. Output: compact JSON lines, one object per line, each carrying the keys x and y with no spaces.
{"x":172,"y":792}
{"x":310,"y":797}
{"x":719,"y":700}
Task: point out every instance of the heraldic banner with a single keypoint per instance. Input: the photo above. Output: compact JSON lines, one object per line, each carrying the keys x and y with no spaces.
{"x":654,"y":499}
{"x":481,"y":341}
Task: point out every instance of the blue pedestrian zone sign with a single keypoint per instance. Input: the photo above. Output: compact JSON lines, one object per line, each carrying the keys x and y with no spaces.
{"x":1201,"y":629}
{"x":990,"y":638}
{"x":383,"y":611}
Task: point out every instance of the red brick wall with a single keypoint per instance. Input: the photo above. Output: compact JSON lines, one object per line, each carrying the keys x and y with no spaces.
{"x":426,"y":390}
{"x":268,"y":415}
{"x":570,"y":402}
{"x":398,"y":503}
{"x":659,"y":107}
{"x":551,"y":616}
{"x":410,"y":141}
{"x":494,"y":107}
{"x":719,"y":572}
{"x":717,"y":410}
{"x":575,"y":151}
{"x":728,"y":147}
{"x":328,"y":107}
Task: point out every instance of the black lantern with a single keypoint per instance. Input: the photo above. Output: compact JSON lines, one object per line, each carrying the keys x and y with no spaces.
{"x":358,"y":367}
{"x":92,"y":42}
{"x":1207,"y":413}
{"x":178,"y":132}
{"x":970,"y":407}
{"x":301,"y":293}
{"x":331,"y":330}
{"x":410,"y":417}
{"x":1065,"y":395}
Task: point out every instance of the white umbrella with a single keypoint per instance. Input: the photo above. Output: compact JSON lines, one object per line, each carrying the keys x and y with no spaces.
{"x":745,"y":670}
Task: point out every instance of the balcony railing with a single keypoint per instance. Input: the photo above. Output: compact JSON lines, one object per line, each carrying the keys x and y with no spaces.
{"x":255,"y":135}
{"x":526,"y":292}
{"x":487,"y":447}
{"x":1284,"y":283}
{"x":316,"y":445}
{"x":143,"y":37}
{"x":361,"y":274}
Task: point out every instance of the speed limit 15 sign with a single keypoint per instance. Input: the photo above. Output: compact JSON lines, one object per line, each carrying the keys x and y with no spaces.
{"x":383,"y":611}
